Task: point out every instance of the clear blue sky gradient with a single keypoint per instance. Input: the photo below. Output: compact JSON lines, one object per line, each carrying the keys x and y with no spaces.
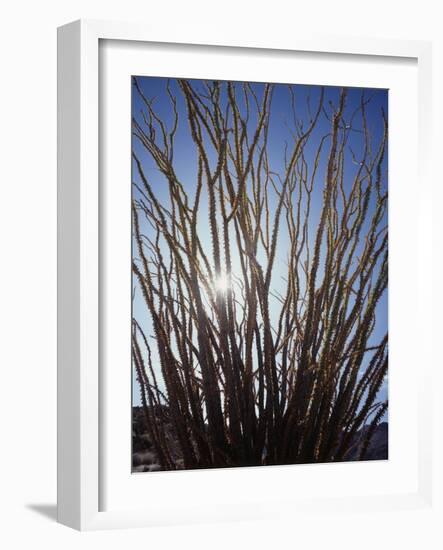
{"x":281,"y":131}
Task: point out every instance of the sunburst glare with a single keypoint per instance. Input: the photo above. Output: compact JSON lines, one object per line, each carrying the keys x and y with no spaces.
{"x":221,"y":283}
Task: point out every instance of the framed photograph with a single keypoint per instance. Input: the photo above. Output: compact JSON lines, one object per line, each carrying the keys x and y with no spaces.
{"x":241,"y":252}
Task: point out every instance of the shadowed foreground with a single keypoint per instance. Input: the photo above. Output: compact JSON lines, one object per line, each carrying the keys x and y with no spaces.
{"x":144,"y":458}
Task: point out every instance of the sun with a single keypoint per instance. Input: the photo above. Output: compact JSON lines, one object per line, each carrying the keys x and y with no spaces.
{"x":221,"y":283}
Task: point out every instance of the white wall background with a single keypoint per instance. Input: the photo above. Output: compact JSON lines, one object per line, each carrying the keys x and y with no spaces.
{"x":28,"y":263}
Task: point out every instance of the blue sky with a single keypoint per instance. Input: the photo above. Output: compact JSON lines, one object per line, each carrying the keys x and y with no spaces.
{"x":281,"y":132}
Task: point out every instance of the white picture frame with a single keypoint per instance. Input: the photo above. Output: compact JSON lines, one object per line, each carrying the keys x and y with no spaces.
{"x":80,"y":412}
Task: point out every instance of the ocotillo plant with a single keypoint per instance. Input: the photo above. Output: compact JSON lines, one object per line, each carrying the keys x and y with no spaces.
{"x":247,"y":362}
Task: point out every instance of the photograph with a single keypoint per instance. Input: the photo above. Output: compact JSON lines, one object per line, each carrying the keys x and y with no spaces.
{"x":259,"y":275}
{"x":222,"y":275}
